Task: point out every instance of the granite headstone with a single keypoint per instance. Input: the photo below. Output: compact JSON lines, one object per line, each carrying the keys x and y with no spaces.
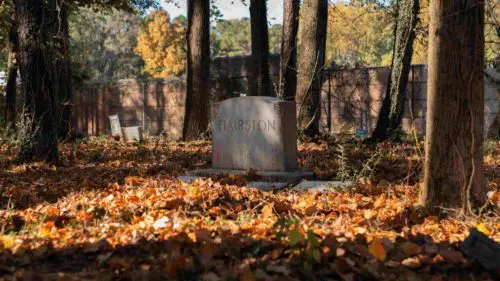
{"x":254,"y":133}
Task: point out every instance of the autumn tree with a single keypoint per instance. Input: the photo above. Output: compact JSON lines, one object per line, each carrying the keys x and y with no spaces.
{"x":491,"y":32}
{"x":359,"y":34}
{"x":161,"y":44}
{"x":232,"y":37}
{"x":259,"y":82}
{"x":311,"y":61}
{"x":288,"y":60}
{"x":198,"y":69}
{"x":45,"y":71}
{"x":454,"y":175}
{"x":103,"y":42}
{"x":391,"y":113}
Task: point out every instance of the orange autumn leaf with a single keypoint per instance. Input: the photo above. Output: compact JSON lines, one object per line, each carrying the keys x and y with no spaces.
{"x":46,"y":229}
{"x":267,"y":211}
{"x":377,"y":249}
{"x":482,"y":228}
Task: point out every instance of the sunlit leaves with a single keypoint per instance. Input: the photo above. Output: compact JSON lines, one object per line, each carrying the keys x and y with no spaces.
{"x":161,"y":44}
{"x":123,"y":214}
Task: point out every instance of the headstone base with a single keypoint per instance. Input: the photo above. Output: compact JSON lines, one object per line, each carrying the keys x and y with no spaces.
{"x":323,"y":186}
{"x":267,"y":186}
{"x":270,"y":176}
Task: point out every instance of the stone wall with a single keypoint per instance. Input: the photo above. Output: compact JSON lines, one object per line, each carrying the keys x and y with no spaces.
{"x":352,"y":98}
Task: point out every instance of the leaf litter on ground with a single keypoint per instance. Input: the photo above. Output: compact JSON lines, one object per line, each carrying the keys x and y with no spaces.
{"x":116,"y":211}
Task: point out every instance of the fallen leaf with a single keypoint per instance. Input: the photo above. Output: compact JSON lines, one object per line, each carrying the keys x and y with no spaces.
{"x":342,"y":266}
{"x":7,"y":241}
{"x":482,"y":228}
{"x":247,"y":275}
{"x":369,"y":214}
{"x":410,"y":249}
{"x":413,"y":262}
{"x":377,"y":249}
{"x":267,"y":211}
{"x":161,"y":223}
{"x":452,"y":256}
{"x":278,"y":269}
{"x":210,"y":276}
{"x":339,"y":252}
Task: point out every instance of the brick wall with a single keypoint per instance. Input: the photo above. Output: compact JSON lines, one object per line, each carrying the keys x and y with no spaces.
{"x":352,"y":98}
{"x":156,"y":105}
{"x":356,"y":98}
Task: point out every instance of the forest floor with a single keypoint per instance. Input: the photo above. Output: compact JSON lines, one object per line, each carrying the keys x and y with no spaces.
{"x":115,"y":211}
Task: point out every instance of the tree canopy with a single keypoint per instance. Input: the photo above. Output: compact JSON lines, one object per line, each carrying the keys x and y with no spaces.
{"x":102,"y":44}
{"x":162,"y":45}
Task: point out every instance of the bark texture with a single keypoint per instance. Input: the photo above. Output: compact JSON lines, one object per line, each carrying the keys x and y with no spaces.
{"x":311,"y":62}
{"x":391,"y":113}
{"x":10,"y":87}
{"x":62,"y":66}
{"x":259,"y":83}
{"x":39,"y":130}
{"x":288,"y":61}
{"x":198,"y":54}
{"x":454,"y":176}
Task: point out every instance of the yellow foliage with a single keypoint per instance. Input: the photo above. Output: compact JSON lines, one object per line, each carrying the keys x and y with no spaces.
{"x":359,"y":35}
{"x":484,"y":229}
{"x":421,"y":38}
{"x":362,"y":34}
{"x":7,"y":242}
{"x":492,"y":43}
{"x":161,"y":44}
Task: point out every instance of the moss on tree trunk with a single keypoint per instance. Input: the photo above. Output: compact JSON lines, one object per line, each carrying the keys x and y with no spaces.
{"x":391,"y":113}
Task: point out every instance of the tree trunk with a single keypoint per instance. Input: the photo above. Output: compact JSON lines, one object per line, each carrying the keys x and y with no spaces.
{"x":39,"y":130}
{"x":311,"y":61}
{"x":62,"y":66}
{"x":392,"y":109}
{"x":288,"y":61}
{"x":10,"y":87}
{"x":259,"y":83}
{"x":198,"y":65}
{"x":454,"y":175}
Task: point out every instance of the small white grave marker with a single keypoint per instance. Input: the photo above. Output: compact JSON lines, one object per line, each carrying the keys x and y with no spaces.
{"x":116,"y":129}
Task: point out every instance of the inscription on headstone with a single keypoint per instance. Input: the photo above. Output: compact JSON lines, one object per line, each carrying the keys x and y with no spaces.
{"x":254,"y":132}
{"x":116,"y":129}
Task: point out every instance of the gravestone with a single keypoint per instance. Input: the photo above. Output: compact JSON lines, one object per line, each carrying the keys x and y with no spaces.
{"x":257,"y":133}
{"x":254,"y":133}
{"x":133,"y":133}
{"x":116,"y":129}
